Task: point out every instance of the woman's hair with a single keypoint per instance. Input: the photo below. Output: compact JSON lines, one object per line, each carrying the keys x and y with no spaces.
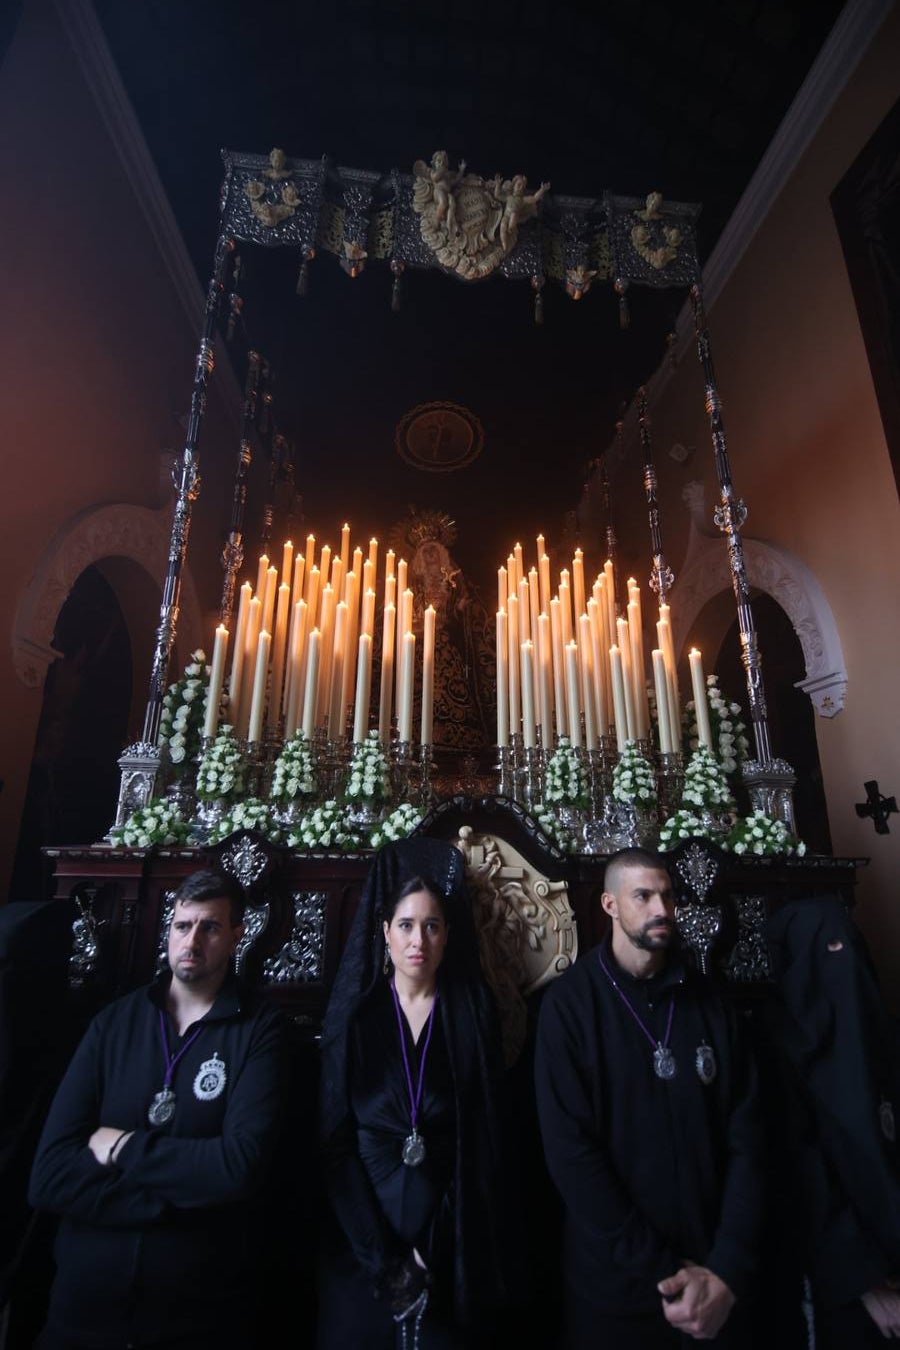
{"x":411,"y":887}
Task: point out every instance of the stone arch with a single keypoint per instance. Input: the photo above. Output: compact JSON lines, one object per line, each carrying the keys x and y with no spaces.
{"x":99,"y":535}
{"x":791,"y":583}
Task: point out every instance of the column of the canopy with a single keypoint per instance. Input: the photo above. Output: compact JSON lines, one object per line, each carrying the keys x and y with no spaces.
{"x":233,"y":552}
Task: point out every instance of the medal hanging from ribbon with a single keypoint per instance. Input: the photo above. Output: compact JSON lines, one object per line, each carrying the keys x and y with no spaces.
{"x":413,"y":1151}
{"x":162,"y":1108}
{"x":664,"y":1065}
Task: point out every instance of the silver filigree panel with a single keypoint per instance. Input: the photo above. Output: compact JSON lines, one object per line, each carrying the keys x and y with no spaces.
{"x":750,"y":961}
{"x":300,"y":959}
{"x":245,"y":860}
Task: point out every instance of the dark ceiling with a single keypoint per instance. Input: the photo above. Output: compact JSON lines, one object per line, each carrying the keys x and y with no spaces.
{"x":627,"y":96}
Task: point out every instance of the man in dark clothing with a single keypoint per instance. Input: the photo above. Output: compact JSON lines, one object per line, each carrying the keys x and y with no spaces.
{"x":155,"y":1144}
{"x":648,"y":1115}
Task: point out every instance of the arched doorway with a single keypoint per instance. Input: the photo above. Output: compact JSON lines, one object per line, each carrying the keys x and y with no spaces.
{"x":73,"y":782}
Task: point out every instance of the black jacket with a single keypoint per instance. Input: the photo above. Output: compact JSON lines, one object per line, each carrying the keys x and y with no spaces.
{"x":651,"y":1172}
{"x":146,"y":1249}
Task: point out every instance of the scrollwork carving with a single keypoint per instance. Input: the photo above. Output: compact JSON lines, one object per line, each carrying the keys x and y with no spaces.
{"x":300,"y":959}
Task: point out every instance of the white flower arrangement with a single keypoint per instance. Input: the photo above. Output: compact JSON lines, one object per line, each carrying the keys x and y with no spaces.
{"x":250,"y":814}
{"x":563,"y":837}
{"x":183,"y":713}
{"x":222,"y":770}
{"x":398,"y":825}
{"x":295,"y":771}
{"x":368,"y":775}
{"x":633,"y":780}
{"x":158,"y":823}
{"x":728,"y":730}
{"x":705,"y":784}
{"x":683,"y":825}
{"x":565,"y":781}
{"x":759,"y":834}
{"x":325,"y":827}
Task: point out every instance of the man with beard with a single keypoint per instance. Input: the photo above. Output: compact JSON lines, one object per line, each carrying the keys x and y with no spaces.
{"x":648,"y":1114}
{"x":155,"y":1146}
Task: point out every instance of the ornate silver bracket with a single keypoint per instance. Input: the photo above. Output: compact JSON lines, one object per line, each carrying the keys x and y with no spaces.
{"x":698,"y":922}
{"x":300,"y":959}
{"x":139,"y":767}
{"x":246,"y":860}
{"x":85,"y":944}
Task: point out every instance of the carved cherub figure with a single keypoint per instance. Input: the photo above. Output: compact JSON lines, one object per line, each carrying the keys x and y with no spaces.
{"x":652,"y":209}
{"x":442,"y":180}
{"x":518,"y":206}
{"x":277,"y":165}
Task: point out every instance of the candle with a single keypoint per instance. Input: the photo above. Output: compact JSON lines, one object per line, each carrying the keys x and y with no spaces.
{"x":660,"y":683}
{"x":598,"y":668}
{"x":512,"y":579}
{"x":287,"y":561}
{"x":534,"y":604}
{"x":310,"y":695}
{"x":545,"y":678}
{"x":261,"y":571}
{"x":310,"y":557}
{"x":572,"y":694}
{"x":312,"y":594}
{"x":268,"y":610}
{"x":237,"y":659}
{"x":502,"y":680}
{"x":351,"y":637}
{"x":544,"y":578}
{"x":279,"y":647}
{"x":294,"y":709}
{"x":389,"y":559}
{"x":664,"y":637}
{"x":624,"y":644}
{"x":428,"y":676}
{"x":559,"y":671}
{"x":335,"y":703}
{"x":325,"y":564}
{"x":524,"y":611}
{"x":610,"y":587}
{"x":701,"y":703}
{"x":338,"y":580}
{"x":588,"y":692}
{"x":363,"y":687}
{"x":515,"y":705}
{"x":390,"y":590}
{"x":358,"y":564}
{"x":404,"y":626}
{"x":299,"y":578}
{"x":368,"y":576}
{"x":326,"y":654}
{"x":405,"y":708}
{"x":618,"y":691}
{"x":251,"y":642}
{"x":368,"y":612}
{"x":216,"y":680}
{"x":387,"y":673}
{"x":529,"y":737}
{"x":578,"y":583}
{"x":345,"y":549}
{"x":373,"y":558}
{"x":565,"y":608}
{"x":540,"y":547}
{"x":502,"y":587}
{"x":520,"y":564}
{"x":257,"y":707}
{"x":401,"y":576}
{"x":635,"y":637}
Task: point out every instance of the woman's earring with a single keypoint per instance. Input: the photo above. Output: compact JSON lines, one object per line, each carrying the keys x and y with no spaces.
{"x":386,"y":963}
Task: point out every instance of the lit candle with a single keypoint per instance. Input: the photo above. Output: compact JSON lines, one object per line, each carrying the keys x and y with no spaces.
{"x":268,"y":612}
{"x":326,"y":655}
{"x":279,"y":647}
{"x":541,"y":547}
{"x":390,"y":590}
{"x":588,"y":693}
{"x":258,"y":705}
{"x":351,"y":636}
{"x":373,"y":558}
{"x":524,"y":611}
{"x":534,"y":603}
{"x":618,"y":692}
{"x":401,"y":576}
{"x":610,"y":588}
{"x":527,"y":670}
{"x":312,"y":594}
{"x":311,"y":695}
{"x":502,"y":588}
{"x":325,"y":564}
{"x":368,"y":612}
{"x":515,"y":704}
{"x":664,"y":638}
{"x":261,"y":571}
{"x":559,"y":670}
{"x":660,"y":684}
{"x":389,"y":559}
{"x":287,"y":561}
{"x":578,"y":583}
{"x":572,"y":695}
{"x":502,"y":680}
{"x":251,"y":643}
{"x":338,"y":579}
{"x":294,"y":709}
{"x":336,"y":679}
{"x":428,"y":677}
{"x":216,"y":680}
{"x":624,"y":644}
{"x":368,"y":576}
{"x":237,"y":659}
{"x":387,"y":673}
{"x":310,"y":557}
{"x":520,"y":565}
{"x":345,"y":550}
{"x":358,"y":564}
{"x":701,"y":704}
{"x":363,"y":688}
{"x":544,"y":578}
{"x":405,"y":709}
{"x":598,"y":668}
{"x":545,"y":678}
{"x":635,"y":637}
{"x":511,"y":577}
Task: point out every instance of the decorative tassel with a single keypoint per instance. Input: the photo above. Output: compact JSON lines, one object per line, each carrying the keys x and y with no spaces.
{"x":235,"y":305}
{"x":303,"y":276}
{"x":620,"y":286}
{"x":538,"y":287}
{"x":397,"y":268}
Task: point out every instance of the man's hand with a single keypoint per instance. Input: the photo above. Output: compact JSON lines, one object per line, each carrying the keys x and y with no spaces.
{"x":696,"y":1301}
{"x":883,"y":1306}
{"x":103,"y":1140}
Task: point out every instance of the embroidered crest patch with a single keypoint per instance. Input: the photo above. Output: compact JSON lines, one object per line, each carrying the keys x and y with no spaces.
{"x":210,"y":1080}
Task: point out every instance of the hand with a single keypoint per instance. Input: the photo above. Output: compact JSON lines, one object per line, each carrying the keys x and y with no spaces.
{"x":103,"y":1139}
{"x":699,"y":1302}
{"x":883,"y":1306}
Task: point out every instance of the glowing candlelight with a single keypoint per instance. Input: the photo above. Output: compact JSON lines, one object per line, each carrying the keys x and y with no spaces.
{"x":428,"y":676}
{"x":257,"y":707}
{"x":363,"y":687}
{"x":311,"y":696}
{"x":387,"y":673}
{"x":216,"y":680}
{"x":502,"y":680}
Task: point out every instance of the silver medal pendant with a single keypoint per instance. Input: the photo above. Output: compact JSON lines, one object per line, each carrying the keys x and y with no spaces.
{"x":162,"y":1108}
{"x":705,"y":1063}
{"x":664,"y":1065}
{"x":413,"y":1152}
{"x":886,"y":1119}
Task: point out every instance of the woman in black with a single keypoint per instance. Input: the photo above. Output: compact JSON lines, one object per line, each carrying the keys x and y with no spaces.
{"x":410,"y":1058}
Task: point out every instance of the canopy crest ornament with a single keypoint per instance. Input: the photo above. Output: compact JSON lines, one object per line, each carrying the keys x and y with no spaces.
{"x":471,"y":224}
